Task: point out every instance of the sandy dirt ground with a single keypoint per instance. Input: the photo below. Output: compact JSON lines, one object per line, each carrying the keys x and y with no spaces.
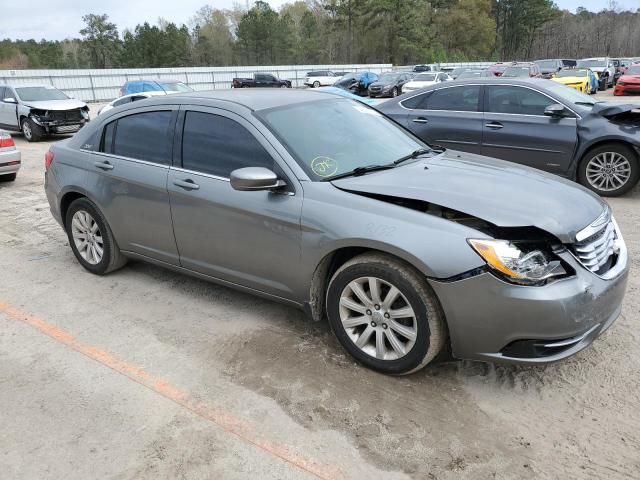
{"x":147,"y":374}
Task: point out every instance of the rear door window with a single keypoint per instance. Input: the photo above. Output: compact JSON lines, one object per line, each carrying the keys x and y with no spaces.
{"x":143,"y":136}
{"x":217,"y":145}
{"x":459,"y":99}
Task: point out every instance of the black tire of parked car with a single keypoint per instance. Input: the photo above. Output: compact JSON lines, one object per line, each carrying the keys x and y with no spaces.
{"x":316,"y":84}
{"x":112,"y":259}
{"x":602,"y":84}
{"x":8,"y":178}
{"x":31,"y":130}
{"x":394,"y":92}
{"x":431,"y":330}
{"x":623,"y":150}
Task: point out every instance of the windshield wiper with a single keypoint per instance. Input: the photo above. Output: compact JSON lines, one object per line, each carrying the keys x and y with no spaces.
{"x":356,"y":172}
{"x":412,"y":155}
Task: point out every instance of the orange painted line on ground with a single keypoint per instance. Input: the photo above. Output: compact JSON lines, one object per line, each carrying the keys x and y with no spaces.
{"x":225,"y":420}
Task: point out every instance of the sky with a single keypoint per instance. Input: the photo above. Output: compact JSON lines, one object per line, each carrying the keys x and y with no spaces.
{"x":57,"y":20}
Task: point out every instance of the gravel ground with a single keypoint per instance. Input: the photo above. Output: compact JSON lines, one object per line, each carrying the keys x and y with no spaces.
{"x":151,"y":374}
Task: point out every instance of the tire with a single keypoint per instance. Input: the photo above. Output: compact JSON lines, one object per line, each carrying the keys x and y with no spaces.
{"x":8,"y":178}
{"x":394,"y":92}
{"x":31,"y":131}
{"x":111,"y":258}
{"x":425,"y":327}
{"x":316,"y":84}
{"x":625,"y":164}
{"x":284,"y":86}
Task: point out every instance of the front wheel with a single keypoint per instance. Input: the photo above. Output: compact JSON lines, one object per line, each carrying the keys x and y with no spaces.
{"x":385,"y":314}
{"x":394,"y":92}
{"x":31,"y":130}
{"x":610,"y":170}
{"x":316,"y":84}
{"x":91,"y":238}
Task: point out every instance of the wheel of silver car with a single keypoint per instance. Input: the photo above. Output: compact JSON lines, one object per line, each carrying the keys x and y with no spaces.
{"x":610,"y":170}
{"x":384,"y":314}
{"x":316,"y":84}
{"x":91,"y":238}
{"x":31,"y":131}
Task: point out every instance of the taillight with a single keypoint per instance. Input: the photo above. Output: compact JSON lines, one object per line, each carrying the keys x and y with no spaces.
{"x":48,"y":159}
{"x":6,"y":140}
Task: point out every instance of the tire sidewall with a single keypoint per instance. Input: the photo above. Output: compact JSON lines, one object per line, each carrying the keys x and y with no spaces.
{"x":629,"y":154}
{"x":416,"y":355}
{"x":28,"y":137}
{"x":85,"y":205}
{"x":316,"y":84}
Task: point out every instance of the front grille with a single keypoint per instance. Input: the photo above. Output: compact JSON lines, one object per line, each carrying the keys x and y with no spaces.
{"x":597,"y":252}
{"x":65,"y":115}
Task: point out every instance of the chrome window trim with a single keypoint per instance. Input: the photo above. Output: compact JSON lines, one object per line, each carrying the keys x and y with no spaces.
{"x":202,"y":174}
{"x":135,"y":160}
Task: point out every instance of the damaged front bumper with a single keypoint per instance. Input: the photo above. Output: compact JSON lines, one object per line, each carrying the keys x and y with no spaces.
{"x":492,"y":320}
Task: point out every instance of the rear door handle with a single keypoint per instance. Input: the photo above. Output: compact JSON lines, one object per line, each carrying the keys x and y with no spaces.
{"x":420,"y":120}
{"x":494,"y":125}
{"x":104,"y":165}
{"x":187,"y":184}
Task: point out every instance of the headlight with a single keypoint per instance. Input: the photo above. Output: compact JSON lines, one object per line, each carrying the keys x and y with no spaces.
{"x":84,"y":114}
{"x":522,"y":263}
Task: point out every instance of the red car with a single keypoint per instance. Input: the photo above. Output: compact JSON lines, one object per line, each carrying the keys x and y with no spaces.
{"x":498,"y":68}
{"x":629,"y":82}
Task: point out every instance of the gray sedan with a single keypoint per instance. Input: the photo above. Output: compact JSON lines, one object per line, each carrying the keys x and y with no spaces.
{"x":324,"y":203}
{"x":534,"y":122}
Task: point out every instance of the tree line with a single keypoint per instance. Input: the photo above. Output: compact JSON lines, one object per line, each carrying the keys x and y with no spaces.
{"x":401,"y":32}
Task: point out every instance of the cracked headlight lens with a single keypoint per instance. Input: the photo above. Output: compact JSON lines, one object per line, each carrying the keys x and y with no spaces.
{"x":524,"y":264}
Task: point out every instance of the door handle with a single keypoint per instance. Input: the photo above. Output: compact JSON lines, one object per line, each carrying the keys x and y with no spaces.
{"x":420,"y":120}
{"x":104,"y":165}
{"x":494,"y":125}
{"x":187,"y":184}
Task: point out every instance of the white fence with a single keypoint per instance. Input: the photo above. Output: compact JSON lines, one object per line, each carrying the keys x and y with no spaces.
{"x":104,"y":85}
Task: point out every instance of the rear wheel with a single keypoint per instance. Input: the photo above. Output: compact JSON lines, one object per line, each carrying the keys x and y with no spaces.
{"x":91,"y":238}
{"x":610,"y":170}
{"x":394,"y":92}
{"x":31,"y":130}
{"x":385,"y":314}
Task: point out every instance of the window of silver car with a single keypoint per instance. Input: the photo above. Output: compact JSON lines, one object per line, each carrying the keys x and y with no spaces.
{"x":141,"y":136}
{"x":217,"y":145}
{"x":515,"y":100}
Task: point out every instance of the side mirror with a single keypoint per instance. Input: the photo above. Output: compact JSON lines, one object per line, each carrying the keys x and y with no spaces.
{"x":255,"y":178}
{"x":555,"y":110}
{"x":9,"y":100}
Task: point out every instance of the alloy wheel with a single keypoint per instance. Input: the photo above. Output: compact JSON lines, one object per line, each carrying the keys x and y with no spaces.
{"x":26,"y":130}
{"x":608,"y":171}
{"x":378,"y":318}
{"x":87,"y":237}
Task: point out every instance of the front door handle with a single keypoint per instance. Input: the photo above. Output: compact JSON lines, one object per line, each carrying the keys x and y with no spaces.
{"x":187,"y":184}
{"x":494,"y":125}
{"x":103,"y":165}
{"x":420,"y":120}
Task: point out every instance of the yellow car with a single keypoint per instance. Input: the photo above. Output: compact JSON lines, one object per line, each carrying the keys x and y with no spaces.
{"x":581,"y":79}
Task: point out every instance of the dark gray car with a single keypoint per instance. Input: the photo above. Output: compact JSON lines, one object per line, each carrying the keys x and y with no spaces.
{"x":535,"y":122}
{"x":324,"y":203}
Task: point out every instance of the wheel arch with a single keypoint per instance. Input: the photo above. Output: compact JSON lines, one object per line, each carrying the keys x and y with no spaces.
{"x":68,"y":198}
{"x":606,"y":141}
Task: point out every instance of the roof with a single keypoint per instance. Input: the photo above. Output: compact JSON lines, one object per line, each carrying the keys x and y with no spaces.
{"x":256,"y":98}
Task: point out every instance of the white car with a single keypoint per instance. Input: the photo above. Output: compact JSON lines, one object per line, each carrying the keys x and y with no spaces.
{"x":422,"y":80}
{"x":604,"y":67}
{"x":132,"y":97}
{"x":10,"y":158}
{"x":321,"y":78}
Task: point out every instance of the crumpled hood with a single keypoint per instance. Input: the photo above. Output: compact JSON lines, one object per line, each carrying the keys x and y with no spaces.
{"x":499,"y":192}
{"x":56,"y":104}
{"x":609,"y":110}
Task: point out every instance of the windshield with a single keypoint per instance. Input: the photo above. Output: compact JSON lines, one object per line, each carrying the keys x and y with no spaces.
{"x":516,"y":72}
{"x":175,"y":87}
{"x":389,"y":77}
{"x":548,"y":64}
{"x":573,"y":73}
{"x":330,"y":137}
{"x":39,"y":94}
{"x":635,"y":70}
{"x":425,"y":77}
{"x":569,"y":94}
{"x":591,"y":63}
